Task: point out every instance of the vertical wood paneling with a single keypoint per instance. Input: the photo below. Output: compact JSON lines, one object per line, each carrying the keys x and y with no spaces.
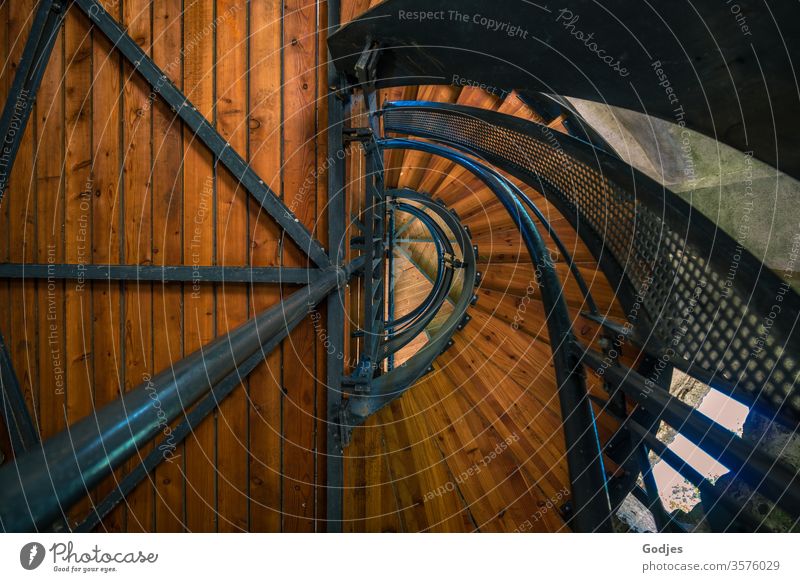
{"x":78,"y":219}
{"x":232,"y":227}
{"x":49,"y":216}
{"x":370,"y":501}
{"x":265,"y":158}
{"x":299,"y":178}
{"x":137,"y":236}
{"x":20,"y":200}
{"x":167,"y":192}
{"x":352,"y":9}
{"x":199,"y":249}
{"x":106,"y":232}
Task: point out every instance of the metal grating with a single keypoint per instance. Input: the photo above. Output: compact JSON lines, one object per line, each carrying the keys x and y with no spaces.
{"x":700,"y":308}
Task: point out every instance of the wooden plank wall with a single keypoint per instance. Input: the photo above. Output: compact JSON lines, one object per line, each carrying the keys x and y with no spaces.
{"x":477,"y":444}
{"x":106,"y":174}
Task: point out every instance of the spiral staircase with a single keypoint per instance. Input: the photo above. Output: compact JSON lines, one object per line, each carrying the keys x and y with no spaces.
{"x":509,"y":304}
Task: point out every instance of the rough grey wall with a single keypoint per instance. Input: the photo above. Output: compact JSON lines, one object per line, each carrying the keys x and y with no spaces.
{"x":751,"y":201}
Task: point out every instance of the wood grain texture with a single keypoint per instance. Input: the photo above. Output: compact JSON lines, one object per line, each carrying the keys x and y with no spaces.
{"x":265,"y":414}
{"x":78,"y":220}
{"x":475,"y":446}
{"x":199,"y":208}
{"x":21,"y":202}
{"x":168,"y":230}
{"x":300,"y":186}
{"x":107,"y":234}
{"x":137,"y":241}
{"x":52,"y":326}
{"x":231,"y":236}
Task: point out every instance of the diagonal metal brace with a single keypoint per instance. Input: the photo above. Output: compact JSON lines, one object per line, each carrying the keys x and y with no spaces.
{"x":195,"y":121}
{"x":21,"y":427}
{"x":27,"y":79}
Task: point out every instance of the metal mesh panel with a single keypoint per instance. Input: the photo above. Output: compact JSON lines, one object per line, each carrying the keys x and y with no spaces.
{"x":701,"y":316}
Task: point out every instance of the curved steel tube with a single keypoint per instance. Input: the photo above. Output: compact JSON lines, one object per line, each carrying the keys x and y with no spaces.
{"x":687,"y":65}
{"x":584,"y":453}
{"x":412,"y":315}
{"x":573,"y":268}
{"x":618,"y":212}
{"x":442,"y":290}
{"x":389,"y":386}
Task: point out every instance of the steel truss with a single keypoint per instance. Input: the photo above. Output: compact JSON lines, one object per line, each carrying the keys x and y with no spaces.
{"x":47,"y":478}
{"x":82,"y":454}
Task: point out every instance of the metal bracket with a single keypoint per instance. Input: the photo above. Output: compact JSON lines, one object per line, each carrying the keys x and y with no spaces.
{"x":367,"y":65}
{"x":343,"y":419}
{"x":366,"y":73}
{"x":452,"y":261}
{"x":362,"y":134}
{"x":359,"y":382}
{"x":341,"y":89}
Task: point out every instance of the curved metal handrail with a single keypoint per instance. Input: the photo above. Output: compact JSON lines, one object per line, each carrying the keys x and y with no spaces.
{"x":690,"y":65}
{"x":674,"y":270}
{"x":584,"y":454}
{"x":573,"y":268}
{"x":402,"y":339}
{"x":427,"y":309}
{"x":388,"y":386}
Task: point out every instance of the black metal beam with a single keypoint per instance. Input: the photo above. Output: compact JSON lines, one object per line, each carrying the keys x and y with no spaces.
{"x":27,"y":79}
{"x":21,"y":428}
{"x":647,"y":366}
{"x":614,"y":229}
{"x":41,"y":484}
{"x":772,"y":478}
{"x":337,"y":216}
{"x":204,"y":131}
{"x":167,"y":274}
{"x":631,"y":453}
{"x":374,"y":287}
{"x":584,"y":454}
{"x":390,"y":282}
{"x":708,"y":489}
{"x":691,"y":66}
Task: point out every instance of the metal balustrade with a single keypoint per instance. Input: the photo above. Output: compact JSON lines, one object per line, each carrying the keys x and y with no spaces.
{"x":688,"y":306}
